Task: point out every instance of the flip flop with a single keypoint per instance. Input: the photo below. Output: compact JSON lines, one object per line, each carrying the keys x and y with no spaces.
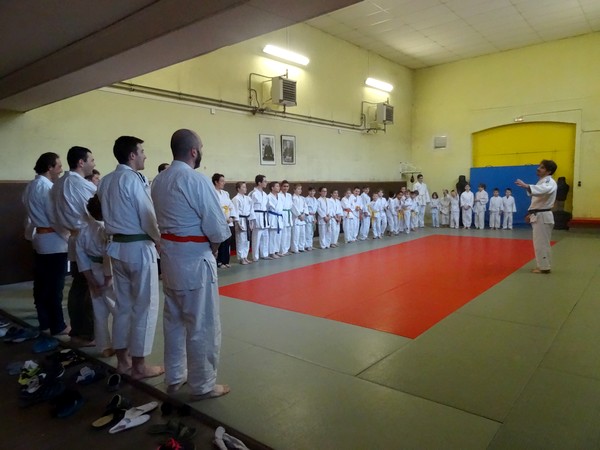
{"x":114,"y":412}
{"x":126,"y":424}
{"x":113,"y":383}
{"x":136,"y":411}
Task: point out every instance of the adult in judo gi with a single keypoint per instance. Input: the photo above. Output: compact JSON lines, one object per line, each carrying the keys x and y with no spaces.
{"x":193,"y":225}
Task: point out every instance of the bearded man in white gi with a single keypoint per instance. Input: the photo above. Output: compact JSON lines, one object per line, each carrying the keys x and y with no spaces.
{"x":422,"y":200}
{"x":130,"y":220}
{"x":543,"y":196}
{"x":193,"y":225}
{"x":70,"y":195}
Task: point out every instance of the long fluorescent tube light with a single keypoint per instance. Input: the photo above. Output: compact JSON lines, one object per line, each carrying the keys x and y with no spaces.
{"x":286,"y":54}
{"x":381,"y":85}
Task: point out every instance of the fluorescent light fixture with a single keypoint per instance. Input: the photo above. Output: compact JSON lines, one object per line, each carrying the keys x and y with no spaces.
{"x":286,"y":54}
{"x":377,"y":84}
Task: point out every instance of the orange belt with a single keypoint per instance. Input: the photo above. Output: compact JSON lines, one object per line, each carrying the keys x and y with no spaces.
{"x":175,"y":238}
{"x":44,"y":230}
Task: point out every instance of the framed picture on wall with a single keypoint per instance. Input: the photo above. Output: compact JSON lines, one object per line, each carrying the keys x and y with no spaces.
{"x":288,"y":149}
{"x":266,"y":144}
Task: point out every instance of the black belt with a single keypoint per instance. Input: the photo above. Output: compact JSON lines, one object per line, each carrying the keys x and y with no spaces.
{"x":535,"y":211}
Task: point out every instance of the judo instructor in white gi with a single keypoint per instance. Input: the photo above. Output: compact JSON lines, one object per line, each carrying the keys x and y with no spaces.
{"x":539,"y":214}
{"x":192,"y":226}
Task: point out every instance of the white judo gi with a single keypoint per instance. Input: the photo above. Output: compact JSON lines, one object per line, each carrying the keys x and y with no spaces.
{"x":324,"y":214}
{"x":422,"y":200}
{"x":543,"y":196}
{"x":91,"y":247}
{"x":348,"y":218}
{"x":445,"y":209}
{"x":130,"y":220}
{"x":245,"y":213}
{"x":479,"y":207}
{"x":466,"y":205}
{"x":454,"y":212}
{"x":508,"y":209}
{"x":365,"y":221}
{"x":260,"y":230}
{"x":189,"y":216}
{"x":337,"y":213}
{"x":309,"y":230}
{"x":299,"y":212}
{"x":495,"y":208}
{"x":275,"y":208}
{"x":435,"y":212}
{"x":286,"y":229}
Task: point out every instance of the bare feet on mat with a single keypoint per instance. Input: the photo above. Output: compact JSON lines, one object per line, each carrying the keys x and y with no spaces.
{"x":218,"y":391}
{"x":140,"y":373}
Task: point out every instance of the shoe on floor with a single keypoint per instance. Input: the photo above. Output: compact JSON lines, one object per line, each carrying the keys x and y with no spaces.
{"x":45,"y":344}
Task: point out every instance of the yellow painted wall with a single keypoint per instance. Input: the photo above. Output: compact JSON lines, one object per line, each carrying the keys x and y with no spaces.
{"x":331,"y":86}
{"x":555,"y":82}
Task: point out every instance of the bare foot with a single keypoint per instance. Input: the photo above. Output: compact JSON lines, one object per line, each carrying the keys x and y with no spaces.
{"x":79,"y":342}
{"x":139,"y":373}
{"x":108,"y":352}
{"x":218,"y":391}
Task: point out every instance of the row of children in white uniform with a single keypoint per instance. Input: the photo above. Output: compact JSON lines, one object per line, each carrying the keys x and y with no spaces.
{"x":472,"y":207}
{"x":279,"y":223}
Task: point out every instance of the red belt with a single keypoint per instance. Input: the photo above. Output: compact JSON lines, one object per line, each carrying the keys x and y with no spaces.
{"x":44,"y":230}
{"x":175,"y":238}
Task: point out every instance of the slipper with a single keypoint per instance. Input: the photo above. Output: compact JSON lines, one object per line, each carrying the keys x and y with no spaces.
{"x":114,"y":412}
{"x":28,"y":371}
{"x":11,"y":333}
{"x":113,"y":383}
{"x":24,"y":334}
{"x":174,"y":428}
{"x":67,"y":357}
{"x":88,"y":375}
{"x":126,"y":424}
{"x":46,"y":392}
{"x":136,"y":411}
{"x":224,"y":390}
{"x":45,"y":344}
{"x":224,"y":441}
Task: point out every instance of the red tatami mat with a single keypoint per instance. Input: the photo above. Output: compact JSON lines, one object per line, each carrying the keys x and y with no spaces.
{"x":403,"y":289}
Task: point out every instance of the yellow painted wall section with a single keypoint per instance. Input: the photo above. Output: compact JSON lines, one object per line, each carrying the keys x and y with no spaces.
{"x":527,"y":143}
{"x":552,"y":82}
{"x":331,"y":87}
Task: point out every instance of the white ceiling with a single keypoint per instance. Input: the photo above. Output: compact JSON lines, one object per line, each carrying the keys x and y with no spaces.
{"x":424,"y":33}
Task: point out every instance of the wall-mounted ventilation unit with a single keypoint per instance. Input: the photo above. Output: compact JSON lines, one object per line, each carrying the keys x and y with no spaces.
{"x":283,"y":91}
{"x":385,"y":113}
{"x":440,"y":142}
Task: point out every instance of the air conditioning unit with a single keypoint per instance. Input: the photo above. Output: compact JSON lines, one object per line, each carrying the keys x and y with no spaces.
{"x":385,"y":113}
{"x":283,"y":91}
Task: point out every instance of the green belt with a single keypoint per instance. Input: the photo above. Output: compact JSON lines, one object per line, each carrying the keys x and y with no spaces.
{"x":96,"y":259}
{"x":131,"y":237}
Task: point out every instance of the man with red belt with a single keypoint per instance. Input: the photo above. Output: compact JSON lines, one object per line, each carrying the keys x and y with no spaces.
{"x":130,"y":221}
{"x":192,"y":225}
{"x":50,"y":247}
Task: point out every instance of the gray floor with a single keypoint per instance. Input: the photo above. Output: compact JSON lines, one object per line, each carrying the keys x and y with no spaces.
{"x":516,"y":368}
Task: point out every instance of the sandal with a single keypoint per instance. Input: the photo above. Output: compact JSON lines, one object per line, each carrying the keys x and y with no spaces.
{"x":114,"y":412}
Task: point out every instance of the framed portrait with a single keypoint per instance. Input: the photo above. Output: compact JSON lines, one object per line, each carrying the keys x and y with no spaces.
{"x":288,"y":149}
{"x":266,"y":148}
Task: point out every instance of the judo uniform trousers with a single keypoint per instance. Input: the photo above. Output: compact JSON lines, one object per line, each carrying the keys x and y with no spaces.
{"x":435,"y":212}
{"x":543,"y":196}
{"x":454,"y":212}
{"x":481,"y":201}
{"x":286,"y":229}
{"x":311,"y":206}
{"x":348,"y":218}
{"x":495,"y":208}
{"x":275,"y":208}
{"x":508,"y":209}
{"x":243,"y":207}
{"x":324,"y":213}
{"x":365,"y":221}
{"x":422,"y":200}
{"x":299,"y":212}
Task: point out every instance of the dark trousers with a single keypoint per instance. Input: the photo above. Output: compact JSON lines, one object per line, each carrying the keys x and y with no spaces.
{"x":49,"y":273}
{"x":224,"y":251}
{"x":80,"y":307}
